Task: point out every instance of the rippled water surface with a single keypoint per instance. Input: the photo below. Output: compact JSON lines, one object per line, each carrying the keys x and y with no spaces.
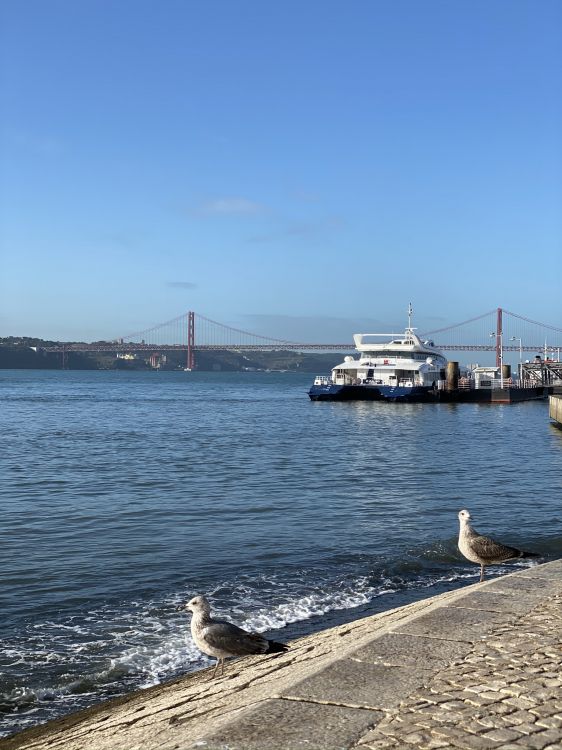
{"x":124,"y":494}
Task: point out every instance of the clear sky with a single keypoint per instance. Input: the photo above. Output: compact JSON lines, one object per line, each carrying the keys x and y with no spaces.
{"x":301,"y":169}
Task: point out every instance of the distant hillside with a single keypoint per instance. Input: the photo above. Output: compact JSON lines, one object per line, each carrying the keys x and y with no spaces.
{"x":26,"y":353}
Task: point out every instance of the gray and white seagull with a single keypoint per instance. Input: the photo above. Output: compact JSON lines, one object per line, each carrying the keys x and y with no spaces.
{"x":222,"y":639}
{"x":483,"y":550}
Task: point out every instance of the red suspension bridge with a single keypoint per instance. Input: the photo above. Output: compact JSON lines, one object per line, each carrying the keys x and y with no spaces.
{"x":496,"y":330}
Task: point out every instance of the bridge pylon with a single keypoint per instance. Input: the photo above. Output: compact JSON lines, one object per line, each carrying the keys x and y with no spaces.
{"x":190,"y":365}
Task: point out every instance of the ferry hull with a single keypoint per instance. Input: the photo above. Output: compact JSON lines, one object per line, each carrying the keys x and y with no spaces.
{"x":425,"y":395}
{"x":369,"y":393}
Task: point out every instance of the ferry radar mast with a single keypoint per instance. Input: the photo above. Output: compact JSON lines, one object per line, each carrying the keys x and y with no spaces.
{"x":409,"y":330}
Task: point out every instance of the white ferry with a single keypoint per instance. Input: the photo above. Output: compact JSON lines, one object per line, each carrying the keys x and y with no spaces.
{"x":402,"y":368}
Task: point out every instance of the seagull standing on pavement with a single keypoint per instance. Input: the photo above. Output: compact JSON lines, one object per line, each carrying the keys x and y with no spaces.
{"x":222,"y":639}
{"x":483,"y":550}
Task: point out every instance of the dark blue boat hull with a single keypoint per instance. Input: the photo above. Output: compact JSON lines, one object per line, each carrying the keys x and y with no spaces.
{"x":370,"y":393}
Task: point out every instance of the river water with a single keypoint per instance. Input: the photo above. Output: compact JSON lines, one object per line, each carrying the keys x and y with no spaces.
{"x":124,"y":494}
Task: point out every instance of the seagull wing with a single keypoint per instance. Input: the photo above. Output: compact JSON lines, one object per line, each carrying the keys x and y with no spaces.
{"x":488,"y":550}
{"x":232,"y":639}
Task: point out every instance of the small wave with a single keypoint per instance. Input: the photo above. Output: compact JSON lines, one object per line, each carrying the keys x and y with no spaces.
{"x":61,"y":626}
{"x":320,"y":602}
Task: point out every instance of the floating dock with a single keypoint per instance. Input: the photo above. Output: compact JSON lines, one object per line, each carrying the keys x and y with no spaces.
{"x":510,"y":395}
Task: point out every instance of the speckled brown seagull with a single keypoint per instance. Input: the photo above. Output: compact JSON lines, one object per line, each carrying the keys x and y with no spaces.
{"x":483,"y":550}
{"x":222,"y":639}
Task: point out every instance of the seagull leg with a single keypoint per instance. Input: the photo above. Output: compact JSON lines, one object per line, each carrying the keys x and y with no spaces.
{"x":222,"y":667}
{"x":216,"y":667}
{"x":481,"y":573}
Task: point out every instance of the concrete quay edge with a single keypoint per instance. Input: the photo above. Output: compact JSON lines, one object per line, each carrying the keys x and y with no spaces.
{"x":476,"y":668}
{"x":555,"y":409}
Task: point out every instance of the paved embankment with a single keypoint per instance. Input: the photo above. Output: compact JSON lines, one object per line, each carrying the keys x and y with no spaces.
{"x":476,"y":668}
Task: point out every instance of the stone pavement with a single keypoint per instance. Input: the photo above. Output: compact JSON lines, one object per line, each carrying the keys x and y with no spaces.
{"x":473,"y":669}
{"x":505,"y":692}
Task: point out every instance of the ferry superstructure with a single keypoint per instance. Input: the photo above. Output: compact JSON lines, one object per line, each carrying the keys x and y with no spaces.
{"x":401,"y":368}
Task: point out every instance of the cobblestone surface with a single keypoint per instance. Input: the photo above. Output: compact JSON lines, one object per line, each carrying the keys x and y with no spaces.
{"x":505,"y":693}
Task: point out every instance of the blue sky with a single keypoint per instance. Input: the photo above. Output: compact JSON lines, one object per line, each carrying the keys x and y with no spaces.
{"x":299,"y":169}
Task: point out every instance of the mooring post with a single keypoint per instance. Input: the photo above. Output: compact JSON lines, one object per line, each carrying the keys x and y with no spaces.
{"x":452,"y":376}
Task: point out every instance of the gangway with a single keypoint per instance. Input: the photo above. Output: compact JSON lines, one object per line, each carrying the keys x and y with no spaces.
{"x":541,"y":372}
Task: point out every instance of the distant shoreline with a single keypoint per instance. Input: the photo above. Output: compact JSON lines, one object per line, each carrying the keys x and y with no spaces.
{"x":28,"y":354}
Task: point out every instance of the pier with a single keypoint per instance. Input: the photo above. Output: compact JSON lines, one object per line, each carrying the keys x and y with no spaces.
{"x":477,"y":668}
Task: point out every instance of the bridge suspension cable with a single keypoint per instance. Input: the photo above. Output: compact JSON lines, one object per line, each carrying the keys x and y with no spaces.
{"x":180,"y":319}
{"x":534,"y":322}
{"x":458,"y":325}
{"x":231,"y":329}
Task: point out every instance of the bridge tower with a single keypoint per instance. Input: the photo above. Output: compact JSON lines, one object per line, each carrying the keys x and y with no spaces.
{"x":499,"y":335}
{"x":190,"y":365}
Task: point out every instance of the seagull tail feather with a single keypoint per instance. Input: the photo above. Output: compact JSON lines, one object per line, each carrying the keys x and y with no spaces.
{"x":274,"y":647}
